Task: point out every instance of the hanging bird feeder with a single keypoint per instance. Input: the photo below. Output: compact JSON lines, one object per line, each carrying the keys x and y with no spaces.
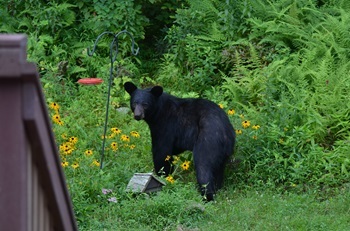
{"x":90,"y":81}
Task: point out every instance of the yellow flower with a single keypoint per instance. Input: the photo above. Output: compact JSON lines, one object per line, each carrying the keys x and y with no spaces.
{"x":88,"y":152}
{"x":167,"y":158}
{"x":231,"y":112}
{"x":132,"y":146}
{"x":66,"y":148}
{"x":176,"y":159}
{"x":170,"y":179}
{"x":64,"y":136}
{"x":62,"y":147}
{"x":59,"y":122}
{"x":221,"y":105}
{"x":256,"y":127}
{"x":66,"y":145}
{"x":246,"y":123}
{"x":73,"y":140}
{"x":111,"y":136}
{"x":63,"y":158}
{"x":241,"y":116}
{"x":116,"y":131}
{"x":255,"y":137}
{"x":68,"y":151}
{"x":135,"y":134}
{"x":239,"y":132}
{"x":185,"y":165}
{"x":125,"y":138}
{"x":64,"y":164}
{"x":96,"y":163}
{"x":54,"y":106}
{"x":56,"y":118}
{"x":114,"y":146}
{"x":76,"y":165}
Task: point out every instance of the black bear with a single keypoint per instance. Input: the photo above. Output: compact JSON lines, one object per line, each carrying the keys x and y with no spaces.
{"x":177,"y":124}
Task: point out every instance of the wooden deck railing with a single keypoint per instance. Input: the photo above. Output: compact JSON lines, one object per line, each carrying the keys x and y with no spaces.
{"x":33,"y":193}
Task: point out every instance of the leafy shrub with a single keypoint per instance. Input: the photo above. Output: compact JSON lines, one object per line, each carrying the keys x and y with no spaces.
{"x":298,"y":101}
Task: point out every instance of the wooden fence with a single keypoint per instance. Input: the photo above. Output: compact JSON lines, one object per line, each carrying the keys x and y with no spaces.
{"x":33,"y":193}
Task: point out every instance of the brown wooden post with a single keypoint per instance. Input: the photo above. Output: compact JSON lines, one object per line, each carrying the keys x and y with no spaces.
{"x":33,"y":194}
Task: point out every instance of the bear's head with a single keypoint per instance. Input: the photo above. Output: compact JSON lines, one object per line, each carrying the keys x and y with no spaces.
{"x":143,"y":101}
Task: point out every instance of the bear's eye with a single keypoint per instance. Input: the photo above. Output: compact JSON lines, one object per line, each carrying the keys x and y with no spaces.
{"x":145,"y":105}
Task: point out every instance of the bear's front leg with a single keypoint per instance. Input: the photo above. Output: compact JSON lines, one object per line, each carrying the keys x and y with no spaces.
{"x":162,"y":150}
{"x":162,"y":161}
{"x":162,"y":166}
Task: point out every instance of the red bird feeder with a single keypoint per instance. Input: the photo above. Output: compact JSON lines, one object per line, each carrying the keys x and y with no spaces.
{"x":90,"y":81}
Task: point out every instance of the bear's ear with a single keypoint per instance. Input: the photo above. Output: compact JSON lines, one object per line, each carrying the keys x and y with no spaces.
{"x":129,"y":87}
{"x":157,"y":91}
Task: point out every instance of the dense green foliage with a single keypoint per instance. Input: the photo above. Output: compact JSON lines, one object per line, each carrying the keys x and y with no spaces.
{"x":280,"y":68}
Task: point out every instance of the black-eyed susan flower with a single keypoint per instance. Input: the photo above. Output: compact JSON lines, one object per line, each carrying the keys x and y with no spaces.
{"x":255,"y":137}
{"x":221,"y":105}
{"x":256,"y":127}
{"x":75,"y":165}
{"x":66,"y":148}
{"x":185,"y":165}
{"x":239,"y":131}
{"x":73,"y":140}
{"x":170,"y":179}
{"x":176,"y":159}
{"x":88,"y":152}
{"x":245,"y":123}
{"x":61,"y":147}
{"x":125,"y":138}
{"x":64,"y":136}
{"x":66,"y":145}
{"x":134,"y":134}
{"x":96,"y":163}
{"x":114,"y":146}
{"x":116,"y":130}
{"x":167,"y":158}
{"x":132,"y":146}
{"x":56,"y":118}
{"x":64,"y":164}
{"x":54,"y":106}
{"x":231,"y":112}
{"x":68,"y":151}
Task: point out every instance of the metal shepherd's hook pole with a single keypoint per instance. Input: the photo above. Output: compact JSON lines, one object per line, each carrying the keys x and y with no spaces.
{"x":113,"y":56}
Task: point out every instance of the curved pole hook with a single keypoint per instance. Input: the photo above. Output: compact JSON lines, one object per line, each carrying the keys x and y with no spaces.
{"x":113,"y":58}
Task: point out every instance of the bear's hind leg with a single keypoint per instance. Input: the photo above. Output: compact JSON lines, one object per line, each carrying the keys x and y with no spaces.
{"x":204,"y":166}
{"x":205,"y":182}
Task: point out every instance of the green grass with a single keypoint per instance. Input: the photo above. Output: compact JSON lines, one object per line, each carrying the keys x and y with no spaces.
{"x":268,"y":210}
{"x":179,"y":209}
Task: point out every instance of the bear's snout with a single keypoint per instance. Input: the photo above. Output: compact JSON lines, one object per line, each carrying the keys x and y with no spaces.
{"x":139,"y":112}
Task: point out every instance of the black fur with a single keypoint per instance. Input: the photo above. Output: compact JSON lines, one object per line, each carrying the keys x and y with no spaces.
{"x":177,"y":124}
